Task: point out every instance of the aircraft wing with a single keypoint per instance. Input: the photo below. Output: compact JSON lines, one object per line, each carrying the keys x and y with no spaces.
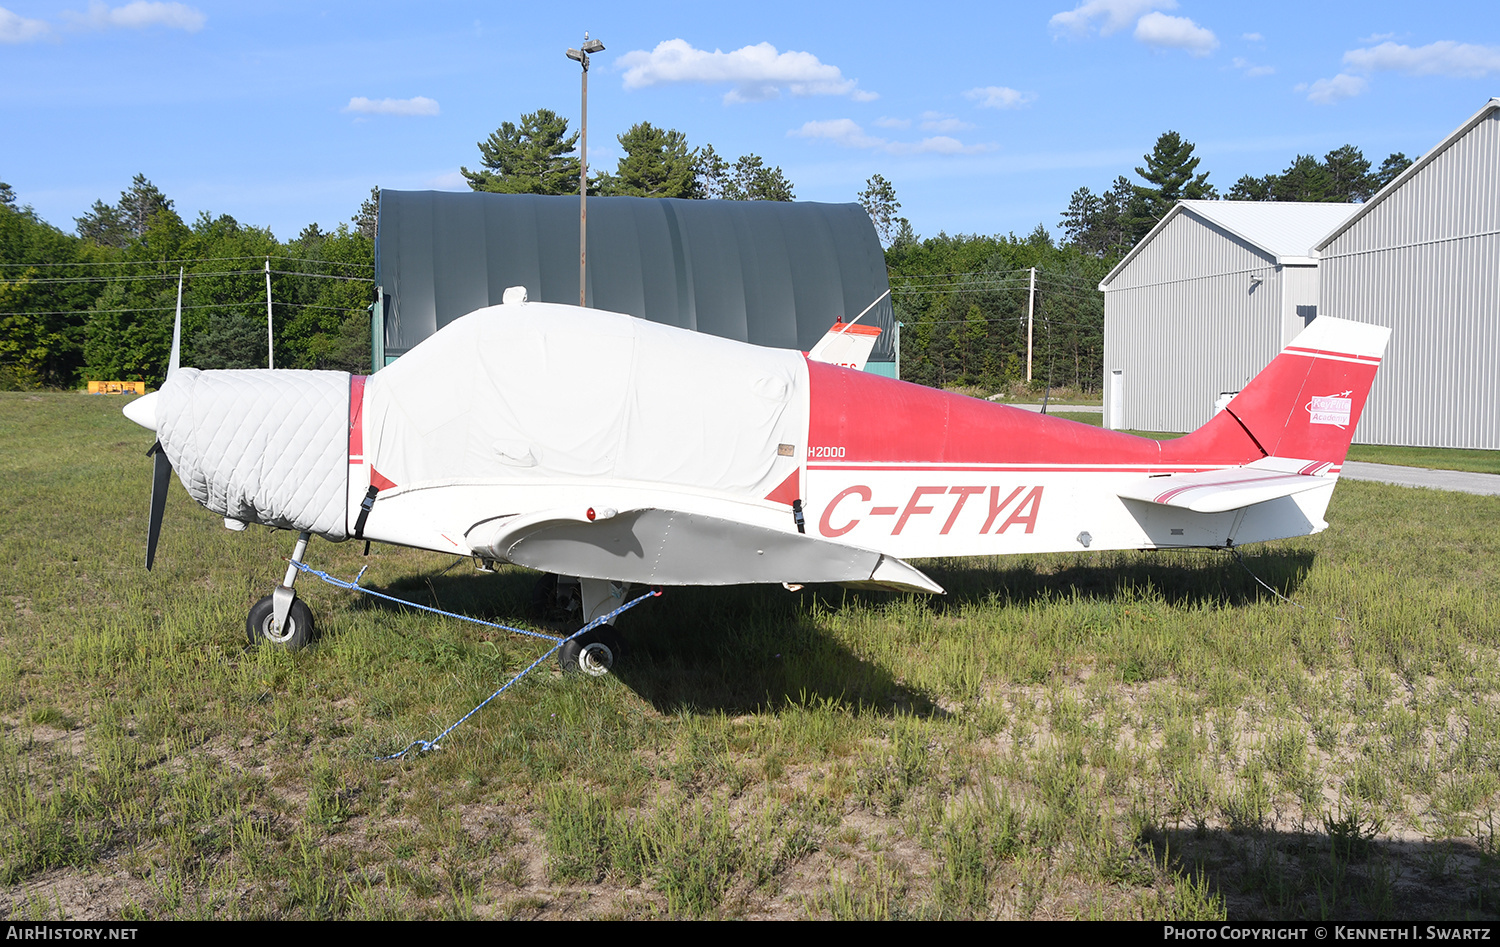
{"x":1217,"y":491}
{"x":672,"y":547}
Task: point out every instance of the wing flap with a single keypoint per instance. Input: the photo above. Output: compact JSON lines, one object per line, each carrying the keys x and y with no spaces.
{"x":1218,"y":491}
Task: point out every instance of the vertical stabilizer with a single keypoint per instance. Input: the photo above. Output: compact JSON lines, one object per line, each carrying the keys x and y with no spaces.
{"x":1307,"y":402}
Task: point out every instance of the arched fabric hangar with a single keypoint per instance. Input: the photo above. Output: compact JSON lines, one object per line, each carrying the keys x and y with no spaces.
{"x":767,"y":272}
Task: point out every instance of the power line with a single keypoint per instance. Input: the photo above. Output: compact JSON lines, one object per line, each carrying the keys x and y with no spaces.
{"x":171,"y":307}
{"x":206,"y":259}
{"x":173,"y":276}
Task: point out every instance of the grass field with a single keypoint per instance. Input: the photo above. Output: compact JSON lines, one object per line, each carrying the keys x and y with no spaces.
{"x":1073,"y":736}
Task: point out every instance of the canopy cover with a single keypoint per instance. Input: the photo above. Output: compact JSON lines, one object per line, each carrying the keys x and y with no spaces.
{"x":547,"y":392}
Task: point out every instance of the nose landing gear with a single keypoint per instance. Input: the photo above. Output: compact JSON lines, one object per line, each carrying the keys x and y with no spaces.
{"x":281,"y":619}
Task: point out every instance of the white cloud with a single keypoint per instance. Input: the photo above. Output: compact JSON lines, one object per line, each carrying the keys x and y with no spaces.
{"x":1114,"y":14}
{"x":999,"y":97}
{"x":137,"y":15}
{"x":18,"y":29}
{"x":757,"y":72}
{"x":936,"y":145}
{"x":840,"y":131}
{"x":417,"y":105}
{"x":1445,"y":58}
{"x":1251,"y":37}
{"x":884,"y":122}
{"x":1376,"y":37}
{"x":848,"y":133}
{"x":451,"y":181}
{"x":1329,"y":91}
{"x":1251,"y":70}
{"x":938,"y":122}
{"x":1175,"y":32}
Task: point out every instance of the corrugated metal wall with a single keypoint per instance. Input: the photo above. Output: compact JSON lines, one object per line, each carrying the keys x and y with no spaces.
{"x":1425,"y":261}
{"x":1184,"y":323}
{"x":771,"y":273}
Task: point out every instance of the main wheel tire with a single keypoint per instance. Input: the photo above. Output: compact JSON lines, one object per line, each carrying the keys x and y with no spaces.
{"x":594,"y":654}
{"x":296,"y":635}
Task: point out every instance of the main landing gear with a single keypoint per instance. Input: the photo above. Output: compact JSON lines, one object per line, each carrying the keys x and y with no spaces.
{"x":598,"y":651}
{"x":282,"y":619}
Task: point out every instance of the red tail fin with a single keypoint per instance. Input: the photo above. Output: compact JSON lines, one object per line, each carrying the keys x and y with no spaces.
{"x":1306,"y":403}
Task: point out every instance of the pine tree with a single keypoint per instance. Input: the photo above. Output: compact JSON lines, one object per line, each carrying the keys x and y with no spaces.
{"x":1305,"y":180}
{"x":657,"y":163}
{"x":369,"y":215}
{"x":1348,"y":174}
{"x":531,"y":159}
{"x":879,"y":200}
{"x":1390,"y":168}
{"x":115,"y":225}
{"x":1169,"y":178}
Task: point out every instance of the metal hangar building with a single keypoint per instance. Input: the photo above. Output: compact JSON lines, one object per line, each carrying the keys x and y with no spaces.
{"x":1214,"y":291}
{"x":1423,"y":257}
{"x":1203,"y":302}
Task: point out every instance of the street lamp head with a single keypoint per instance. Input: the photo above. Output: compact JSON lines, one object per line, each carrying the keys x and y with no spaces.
{"x":575,"y":55}
{"x":593,"y":46}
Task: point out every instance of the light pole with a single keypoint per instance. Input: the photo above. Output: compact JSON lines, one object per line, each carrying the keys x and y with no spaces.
{"x":581,"y":56}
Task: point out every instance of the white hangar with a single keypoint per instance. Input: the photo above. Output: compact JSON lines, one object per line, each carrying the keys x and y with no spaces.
{"x":1423,"y":257}
{"x":1204,"y":302}
{"x":1209,"y":296}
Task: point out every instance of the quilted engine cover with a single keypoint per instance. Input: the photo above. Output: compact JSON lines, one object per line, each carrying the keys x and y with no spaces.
{"x":261,"y":446}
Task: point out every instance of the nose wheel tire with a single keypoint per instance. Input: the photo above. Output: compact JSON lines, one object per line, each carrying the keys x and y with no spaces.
{"x":294,"y":636}
{"x":594,"y":654}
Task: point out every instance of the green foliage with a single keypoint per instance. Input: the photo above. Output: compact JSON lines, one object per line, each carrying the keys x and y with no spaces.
{"x":369,"y":215}
{"x":879,"y":201}
{"x":41,"y":320}
{"x":1343,"y":175}
{"x":535,"y":157}
{"x":748,"y":179}
{"x":1169,"y":176}
{"x":114,"y":225}
{"x":963,"y":304}
{"x":657,"y":163}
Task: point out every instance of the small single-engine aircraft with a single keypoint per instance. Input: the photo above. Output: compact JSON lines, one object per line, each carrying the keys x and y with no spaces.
{"x":613,"y":450}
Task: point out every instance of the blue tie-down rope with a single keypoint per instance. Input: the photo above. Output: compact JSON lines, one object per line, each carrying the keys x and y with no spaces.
{"x":435,"y":743}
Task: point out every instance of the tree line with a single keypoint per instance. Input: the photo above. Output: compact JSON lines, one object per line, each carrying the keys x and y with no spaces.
{"x":538,"y":156}
{"x":97,"y":303}
{"x":1110,"y":223}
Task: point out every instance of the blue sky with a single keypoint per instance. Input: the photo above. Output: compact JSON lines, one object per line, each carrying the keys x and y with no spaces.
{"x":984,"y":116}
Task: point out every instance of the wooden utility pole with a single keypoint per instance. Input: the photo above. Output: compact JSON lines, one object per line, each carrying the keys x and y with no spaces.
{"x":1030,"y":311}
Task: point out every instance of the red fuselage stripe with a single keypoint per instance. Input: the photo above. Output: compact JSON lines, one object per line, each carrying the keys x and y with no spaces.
{"x":356,"y":419}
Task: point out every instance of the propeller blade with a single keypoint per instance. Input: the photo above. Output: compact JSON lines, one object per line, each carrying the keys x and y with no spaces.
{"x":177,"y":329}
{"x":161,"y":474}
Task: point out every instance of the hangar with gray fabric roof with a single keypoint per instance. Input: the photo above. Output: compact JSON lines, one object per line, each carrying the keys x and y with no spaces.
{"x":772,"y":273}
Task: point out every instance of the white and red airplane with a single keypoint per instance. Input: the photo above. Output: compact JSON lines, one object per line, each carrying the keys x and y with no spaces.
{"x":615,"y":450}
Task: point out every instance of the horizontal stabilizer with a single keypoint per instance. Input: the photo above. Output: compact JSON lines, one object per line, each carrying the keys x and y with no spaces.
{"x":846,"y":344}
{"x":1216,"y":491}
{"x":671,"y":547}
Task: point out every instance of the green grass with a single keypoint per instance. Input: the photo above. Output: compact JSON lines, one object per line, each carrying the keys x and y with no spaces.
{"x":1091,"y":735}
{"x":1433,"y":458}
